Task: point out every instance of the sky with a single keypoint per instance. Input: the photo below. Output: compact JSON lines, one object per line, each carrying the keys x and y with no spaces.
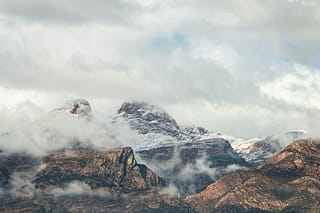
{"x":245,"y":68}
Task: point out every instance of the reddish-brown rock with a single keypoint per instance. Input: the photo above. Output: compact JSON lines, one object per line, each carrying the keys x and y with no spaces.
{"x":288,"y":182}
{"x":114,"y":168}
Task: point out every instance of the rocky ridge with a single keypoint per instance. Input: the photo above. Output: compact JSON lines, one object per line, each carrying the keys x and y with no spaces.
{"x":161,"y":131}
{"x":83,"y":179}
{"x":287,"y":182}
{"x":170,"y":149}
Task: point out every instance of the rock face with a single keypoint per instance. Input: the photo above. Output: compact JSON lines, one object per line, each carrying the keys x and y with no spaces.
{"x":287,"y":182}
{"x":203,"y":161}
{"x":257,"y":150}
{"x":173,"y":151}
{"x":149,"y":201}
{"x":83,"y":180}
{"x":115,"y":168}
{"x":147,"y":118}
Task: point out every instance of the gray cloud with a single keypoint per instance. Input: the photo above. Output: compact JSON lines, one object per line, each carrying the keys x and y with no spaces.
{"x":205,"y":62}
{"x":71,"y":12}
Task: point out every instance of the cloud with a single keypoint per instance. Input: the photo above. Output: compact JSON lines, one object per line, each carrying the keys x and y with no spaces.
{"x":29,"y":130}
{"x":170,"y":190}
{"x":79,"y":188}
{"x":20,"y":184}
{"x":66,"y":12}
{"x":299,"y":87}
{"x":121,"y":50}
{"x":201,"y":166}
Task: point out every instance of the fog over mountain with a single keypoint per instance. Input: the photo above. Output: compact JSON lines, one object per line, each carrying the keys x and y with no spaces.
{"x":247,"y":69}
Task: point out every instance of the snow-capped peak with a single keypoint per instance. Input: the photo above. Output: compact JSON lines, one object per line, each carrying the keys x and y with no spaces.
{"x":148,"y":118}
{"x":76,"y":108}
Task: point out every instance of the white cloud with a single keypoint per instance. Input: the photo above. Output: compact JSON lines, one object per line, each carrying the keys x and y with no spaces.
{"x":299,"y":87}
{"x":79,"y":188}
{"x":223,"y":55}
{"x":28,"y":129}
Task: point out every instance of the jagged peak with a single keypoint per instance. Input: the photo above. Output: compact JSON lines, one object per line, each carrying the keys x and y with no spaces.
{"x":143,"y":108}
{"x":74,"y":108}
{"x":147,"y":118}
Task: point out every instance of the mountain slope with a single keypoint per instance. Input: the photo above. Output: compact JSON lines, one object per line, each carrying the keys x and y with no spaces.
{"x":289,"y":181}
{"x":173,"y":151}
{"x":257,"y":150}
{"x":85,"y":180}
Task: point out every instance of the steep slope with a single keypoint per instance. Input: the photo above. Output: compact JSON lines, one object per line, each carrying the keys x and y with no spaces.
{"x":85,"y":180}
{"x":114,"y":168}
{"x":287,"y":182}
{"x":173,"y":151}
{"x":80,"y":175}
{"x":147,"y":118}
{"x":160,"y":132}
{"x":257,"y":150}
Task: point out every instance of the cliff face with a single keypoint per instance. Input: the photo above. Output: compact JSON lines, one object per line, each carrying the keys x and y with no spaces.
{"x":114,"y":168}
{"x":289,"y":181}
{"x":213,"y":155}
{"x":146,"y":118}
{"x":83,"y":180}
{"x":171,"y":150}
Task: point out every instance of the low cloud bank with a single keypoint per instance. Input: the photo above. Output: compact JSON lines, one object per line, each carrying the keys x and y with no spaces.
{"x":34,"y":132}
{"x":79,"y":188}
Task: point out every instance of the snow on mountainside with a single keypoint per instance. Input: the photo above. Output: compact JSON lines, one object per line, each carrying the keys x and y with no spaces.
{"x":179,"y":154}
{"x":76,"y":108}
{"x":159,"y":129}
{"x":147,"y":118}
{"x":257,"y":150}
{"x":156,"y":126}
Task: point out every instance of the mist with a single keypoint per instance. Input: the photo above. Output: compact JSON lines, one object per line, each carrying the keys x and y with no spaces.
{"x":30,"y":130}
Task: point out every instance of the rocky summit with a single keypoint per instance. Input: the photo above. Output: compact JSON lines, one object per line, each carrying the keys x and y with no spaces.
{"x":173,"y":151}
{"x":77,"y":108}
{"x":287,"y":182}
{"x":114,"y":168}
{"x":148,"y":118}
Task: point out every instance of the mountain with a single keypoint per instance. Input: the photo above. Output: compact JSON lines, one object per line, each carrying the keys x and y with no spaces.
{"x":217,"y":172}
{"x":174,"y":151}
{"x":113,"y":168}
{"x":147,"y":118}
{"x":287,"y":182}
{"x":170,"y":149}
{"x":80,"y":176}
{"x":257,"y":150}
{"x":159,"y":130}
{"x":82,"y":179}
{"x":76,"y":108}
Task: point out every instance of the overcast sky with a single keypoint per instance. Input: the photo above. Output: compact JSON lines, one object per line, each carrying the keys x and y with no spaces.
{"x":245,"y":68}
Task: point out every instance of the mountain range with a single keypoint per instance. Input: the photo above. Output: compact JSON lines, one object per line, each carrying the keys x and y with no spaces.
{"x":171,"y":168}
